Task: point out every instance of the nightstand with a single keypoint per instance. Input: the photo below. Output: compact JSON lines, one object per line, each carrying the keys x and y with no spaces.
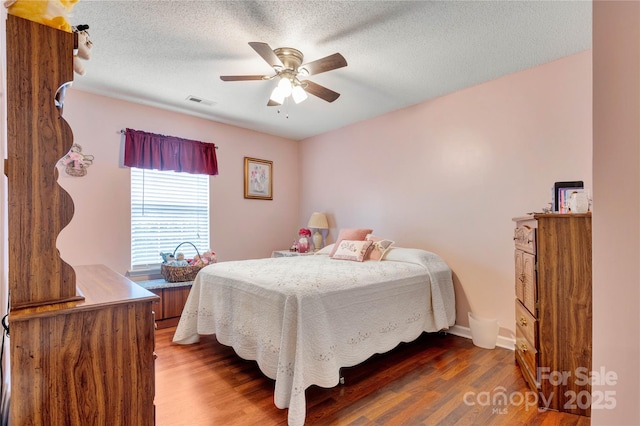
{"x":287,"y":253}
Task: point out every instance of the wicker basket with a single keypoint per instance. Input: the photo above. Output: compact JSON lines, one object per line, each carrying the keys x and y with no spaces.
{"x":178,"y":274}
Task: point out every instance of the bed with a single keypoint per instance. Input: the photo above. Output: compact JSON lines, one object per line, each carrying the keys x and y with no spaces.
{"x":304,"y":318}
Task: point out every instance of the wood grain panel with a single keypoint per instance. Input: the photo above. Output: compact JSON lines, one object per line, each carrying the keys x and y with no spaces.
{"x":565,"y":319}
{"x":81,"y":368}
{"x":174,"y":300}
{"x":39,"y":61}
{"x":88,"y":362}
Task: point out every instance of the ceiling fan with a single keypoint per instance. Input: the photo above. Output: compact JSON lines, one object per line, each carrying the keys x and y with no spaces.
{"x":286,"y":63}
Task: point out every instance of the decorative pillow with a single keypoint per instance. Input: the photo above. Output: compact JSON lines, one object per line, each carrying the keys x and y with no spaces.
{"x":379,"y":248}
{"x":326,"y":249}
{"x":352,"y":250}
{"x":353,"y":234}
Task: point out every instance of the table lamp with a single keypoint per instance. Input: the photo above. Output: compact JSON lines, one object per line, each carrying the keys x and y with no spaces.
{"x":318,"y":221}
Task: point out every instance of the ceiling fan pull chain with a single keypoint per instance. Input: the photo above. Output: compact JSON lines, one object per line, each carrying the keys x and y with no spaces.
{"x":286,"y":106}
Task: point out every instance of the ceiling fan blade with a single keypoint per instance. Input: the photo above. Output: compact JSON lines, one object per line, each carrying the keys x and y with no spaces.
{"x":241,"y":77}
{"x":320,"y":91}
{"x":327,"y":63}
{"x":266,"y":53}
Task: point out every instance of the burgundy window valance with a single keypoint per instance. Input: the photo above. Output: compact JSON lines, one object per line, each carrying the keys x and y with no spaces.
{"x":150,"y":151}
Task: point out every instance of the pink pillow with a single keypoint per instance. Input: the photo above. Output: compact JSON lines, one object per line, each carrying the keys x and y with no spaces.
{"x":379,"y":248}
{"x":353,"y":234}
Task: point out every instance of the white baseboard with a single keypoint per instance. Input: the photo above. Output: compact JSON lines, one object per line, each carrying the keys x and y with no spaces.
{"x":503,"y":342}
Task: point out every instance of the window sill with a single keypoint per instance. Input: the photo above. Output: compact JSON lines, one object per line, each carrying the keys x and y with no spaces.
{"x":146,"y":273}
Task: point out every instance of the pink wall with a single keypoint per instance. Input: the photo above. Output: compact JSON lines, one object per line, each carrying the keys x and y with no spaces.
{"x":449,"y":175}
{"x":616,"y":226}
{"x":240,"y":228}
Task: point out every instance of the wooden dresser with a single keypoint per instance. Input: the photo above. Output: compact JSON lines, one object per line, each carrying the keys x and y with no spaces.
{"x":553,"y":308}
{"x":89,"y":362}
{"x":81,"y":339}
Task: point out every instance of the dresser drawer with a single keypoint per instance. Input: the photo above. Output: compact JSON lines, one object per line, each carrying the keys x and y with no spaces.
{"x":526,"y":280}
{"x":526,"y":373}
{"x":527,"y":323}
{"x":525,"y":238}
{"x":527,"y":355}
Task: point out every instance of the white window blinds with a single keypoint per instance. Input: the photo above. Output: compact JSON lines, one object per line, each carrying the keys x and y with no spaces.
{"x":167,"y":209}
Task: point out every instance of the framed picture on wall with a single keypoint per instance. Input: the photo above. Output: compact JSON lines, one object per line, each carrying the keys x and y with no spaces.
{"x":562,"y":192}
{"x":258,"y":179}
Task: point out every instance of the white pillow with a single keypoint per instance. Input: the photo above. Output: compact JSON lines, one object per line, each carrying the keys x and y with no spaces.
{"x":352,"y":250}
{"x":325,"y":250}
{"x":413,"y":255}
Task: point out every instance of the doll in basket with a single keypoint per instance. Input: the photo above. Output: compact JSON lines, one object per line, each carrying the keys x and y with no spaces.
{"x":180,"y":260}
{"x":207,"y":258}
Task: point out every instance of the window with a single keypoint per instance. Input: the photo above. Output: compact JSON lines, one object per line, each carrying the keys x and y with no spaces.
{"x":167,"y":209}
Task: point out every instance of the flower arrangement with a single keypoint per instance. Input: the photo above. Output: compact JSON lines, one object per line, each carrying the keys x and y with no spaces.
{"x":304,"y":232}
{"x":303,"y":242}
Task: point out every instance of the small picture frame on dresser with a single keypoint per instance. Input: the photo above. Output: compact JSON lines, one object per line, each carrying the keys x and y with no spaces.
{"x":561,"y":190}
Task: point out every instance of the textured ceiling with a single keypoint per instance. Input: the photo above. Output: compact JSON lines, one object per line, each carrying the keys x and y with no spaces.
{"x":399,"y":53}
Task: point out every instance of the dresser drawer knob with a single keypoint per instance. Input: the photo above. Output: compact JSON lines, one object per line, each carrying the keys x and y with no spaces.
{"x":523,"y":347}
{"x":523,"y":321}
{"x":522,"y":278}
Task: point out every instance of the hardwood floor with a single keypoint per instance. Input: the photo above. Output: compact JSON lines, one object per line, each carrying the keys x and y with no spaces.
{"x":436,"y":380}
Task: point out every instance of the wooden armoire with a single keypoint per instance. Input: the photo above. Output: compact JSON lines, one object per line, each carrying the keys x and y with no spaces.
{"x":81,"y":338}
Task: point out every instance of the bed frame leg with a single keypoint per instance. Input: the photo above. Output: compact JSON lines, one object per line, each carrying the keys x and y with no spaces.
{"x":442,"y":333}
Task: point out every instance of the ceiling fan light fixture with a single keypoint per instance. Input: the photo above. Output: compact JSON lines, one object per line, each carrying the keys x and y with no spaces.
{"x":298,"y":94}
{"x":303,"y":72}
{"x":284,"y":85}
{"x":288,"y":65}
{"x":277,"y":96}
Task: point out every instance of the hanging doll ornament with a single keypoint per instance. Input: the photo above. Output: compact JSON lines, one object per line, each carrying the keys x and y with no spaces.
{"x":75,"y":162}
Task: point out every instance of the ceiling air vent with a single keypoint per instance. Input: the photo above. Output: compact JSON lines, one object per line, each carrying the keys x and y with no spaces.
{"x":200,"y":100}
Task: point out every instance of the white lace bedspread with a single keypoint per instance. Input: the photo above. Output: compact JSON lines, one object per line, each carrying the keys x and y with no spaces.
{"x":303,"y":318}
